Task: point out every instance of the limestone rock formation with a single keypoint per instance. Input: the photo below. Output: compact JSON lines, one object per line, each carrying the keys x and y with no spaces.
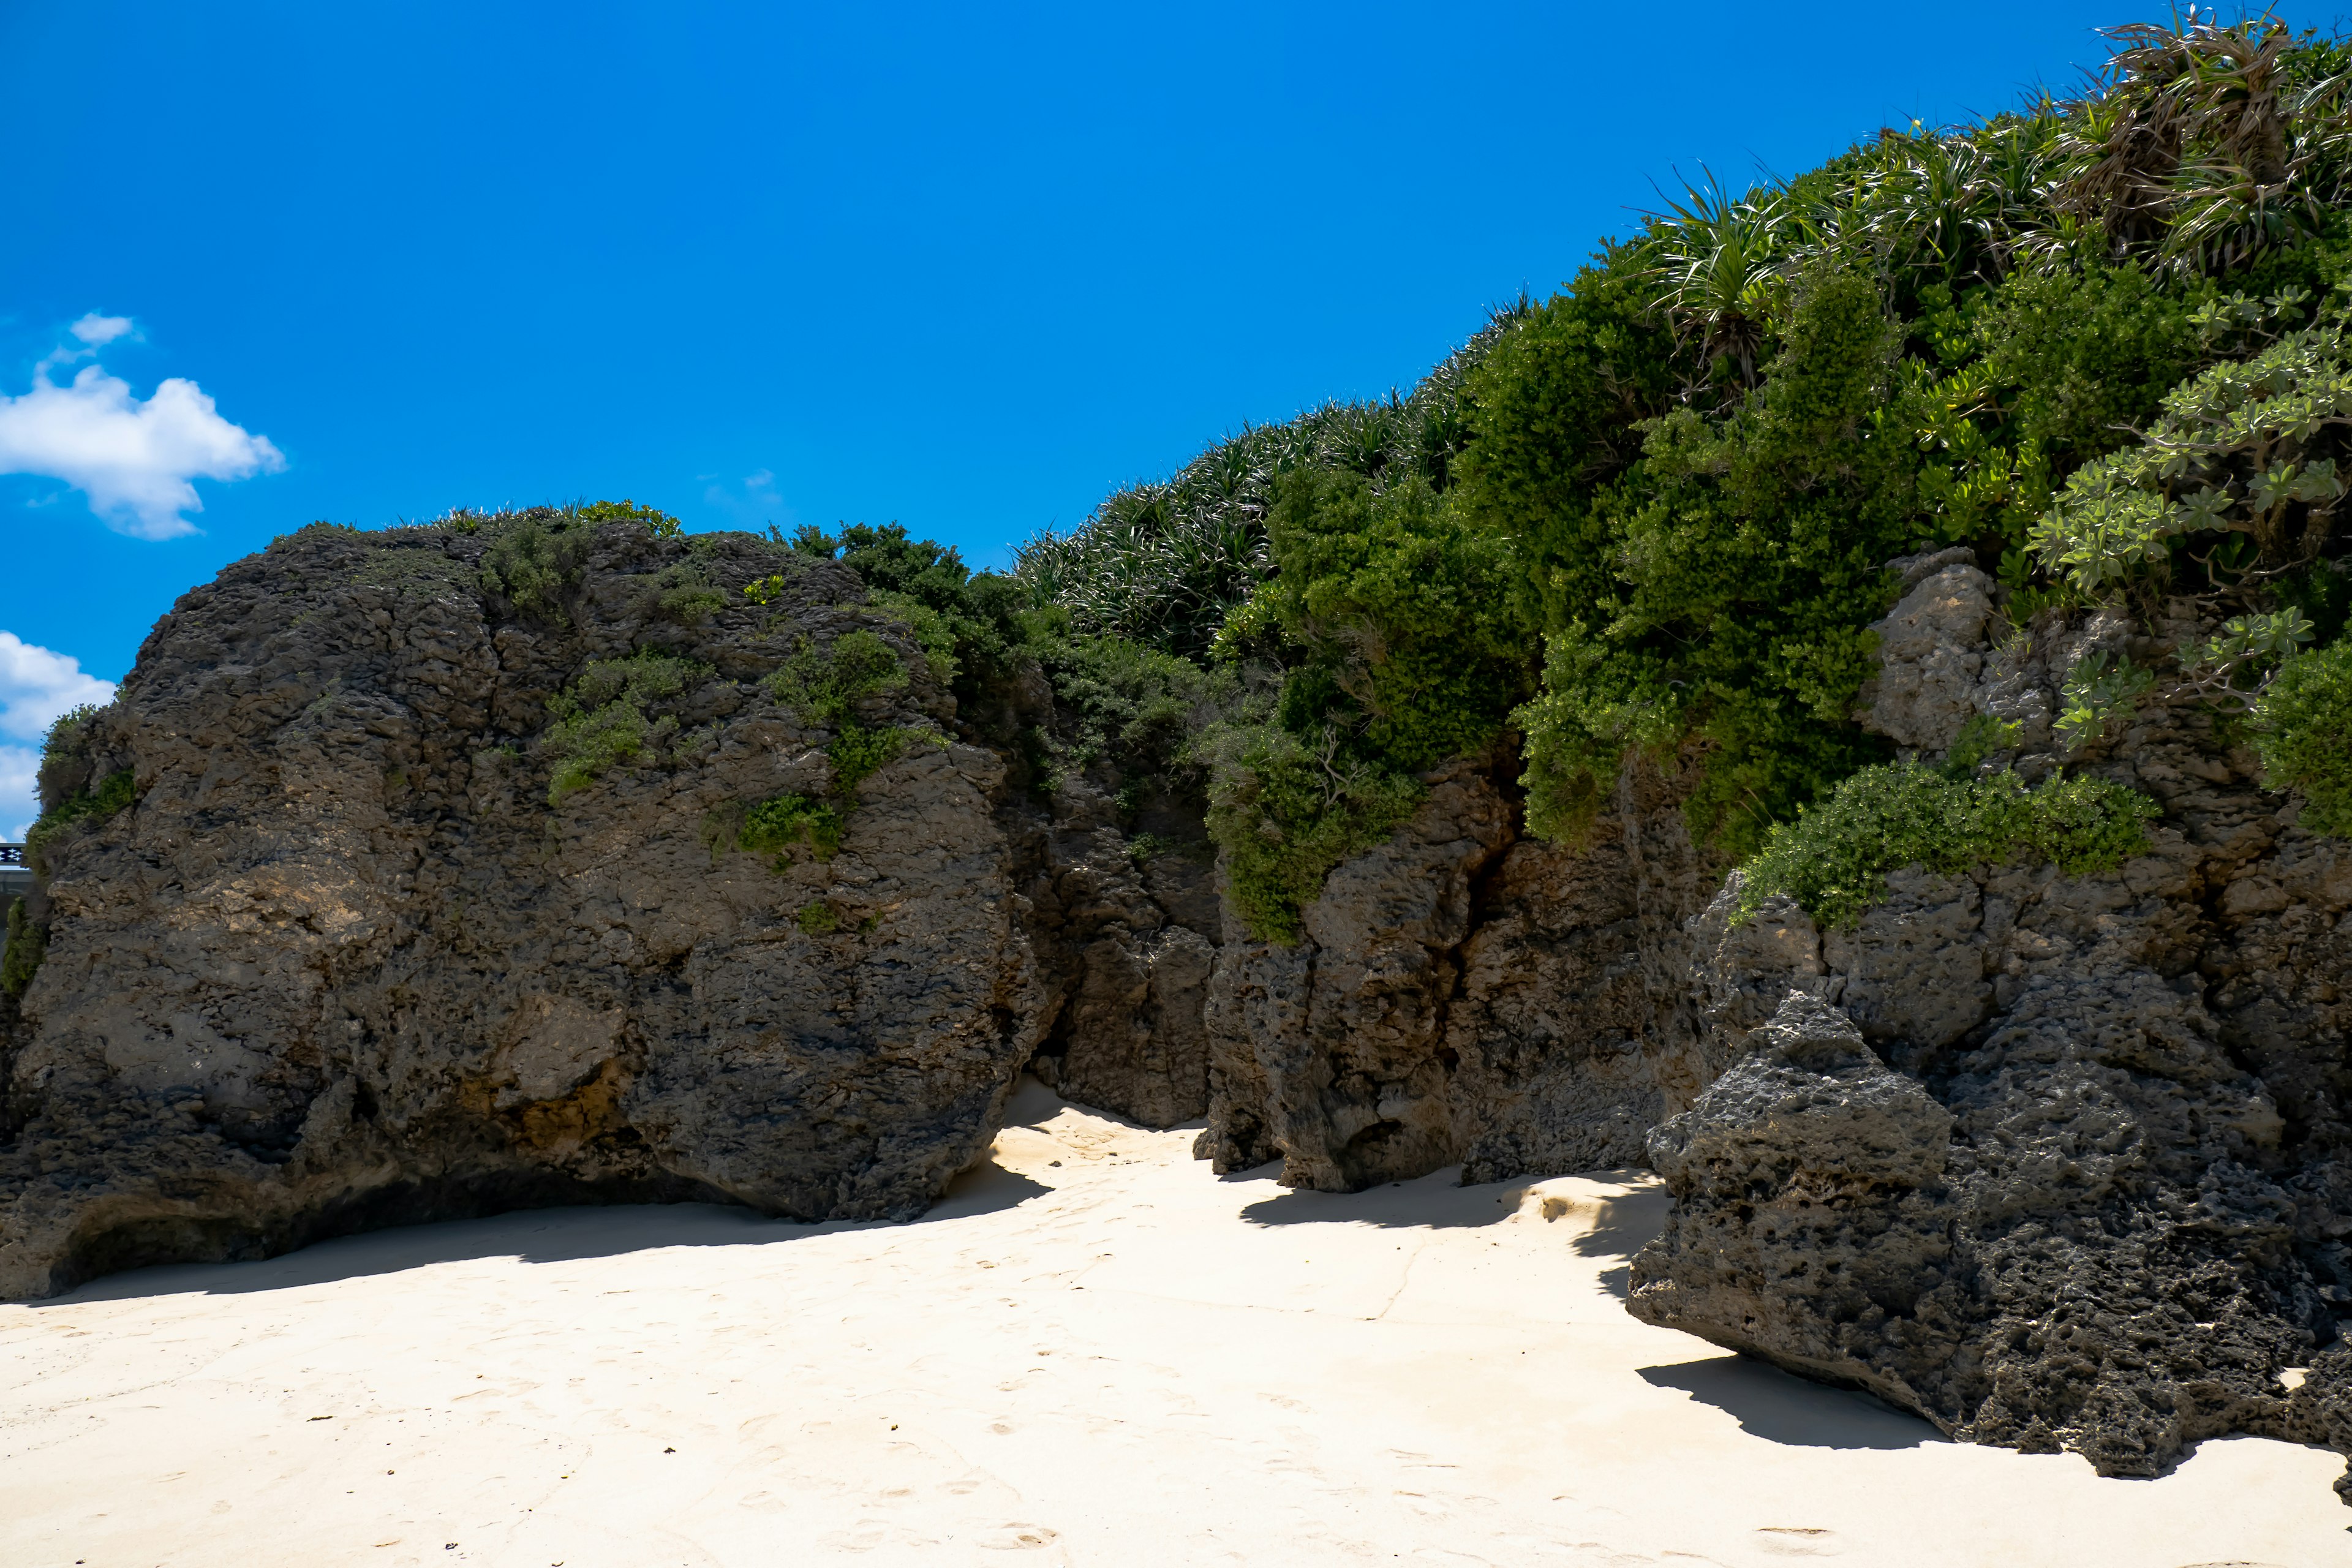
{"x":342,"y":964}
{"x":2055,"y":1161}
{"x":1463,"y":994}
{"x":1126,"y":953}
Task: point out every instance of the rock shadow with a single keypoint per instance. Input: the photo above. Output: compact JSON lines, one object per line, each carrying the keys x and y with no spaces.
{"x":550,"y":1234}
{"x":1433,"y":1202}
{"x":1621,"y":1226}
{"x":1782,"y":1407}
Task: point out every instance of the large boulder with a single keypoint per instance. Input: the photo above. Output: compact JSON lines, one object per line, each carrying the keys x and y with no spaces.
{"x":340,"y":963}
{"x":2056,"y":1161}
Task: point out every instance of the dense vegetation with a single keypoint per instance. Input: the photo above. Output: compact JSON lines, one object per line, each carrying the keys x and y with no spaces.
{"x":2101,"y":342}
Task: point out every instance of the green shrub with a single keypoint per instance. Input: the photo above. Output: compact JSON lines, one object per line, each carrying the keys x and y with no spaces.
{"x":1834,"y":859}
{"x":1285,"y":810}
{"x":1125,"y":713}
{"x":534,"y":561}
{"x":83,"y":808}
{"x":858,"y":754}
{"x":658,"y":523}
{"x":601,"y":721}
{"x":2304,"y":733}
{"x":28,"y":945}
{"x":816,"y":918}
{"x":775,"y":824}
{"x":825,"y":685}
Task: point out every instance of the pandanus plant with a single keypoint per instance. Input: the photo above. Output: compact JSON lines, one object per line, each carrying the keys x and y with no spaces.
{"x":1721,"y":263}
{"x":2201,"y":147}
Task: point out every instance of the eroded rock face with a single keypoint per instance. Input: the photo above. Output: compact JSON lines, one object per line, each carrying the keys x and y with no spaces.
{"x":2055,"y":1161}
{"x":1127,"y":951}
{"x":1464,"y":994}
{"x":1336,"y":1042}
{"x":342,"y":964}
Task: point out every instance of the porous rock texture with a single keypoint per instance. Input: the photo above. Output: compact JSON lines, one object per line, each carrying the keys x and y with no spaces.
{"x":2054,"y":1162}
{"x":1126,"y":948}
{"x":340,"y":963}
{"x":1464,"y":994}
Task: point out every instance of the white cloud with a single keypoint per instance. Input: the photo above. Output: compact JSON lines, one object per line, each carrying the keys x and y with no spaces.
{"x":35,"y":686}
{"x":133,"y":460}
{"x":95,"y":329}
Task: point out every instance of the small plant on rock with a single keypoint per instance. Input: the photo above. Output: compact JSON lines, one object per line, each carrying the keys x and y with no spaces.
{"x":777,"y":824}
{"x":601,"y":721}
{"x":2302,"y":730}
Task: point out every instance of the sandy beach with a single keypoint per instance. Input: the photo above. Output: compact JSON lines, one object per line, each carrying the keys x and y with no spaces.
{"x":1094,"y":1352}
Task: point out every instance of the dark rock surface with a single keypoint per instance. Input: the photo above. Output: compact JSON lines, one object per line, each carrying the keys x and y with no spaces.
{"x":1124,"y":955}
{"x":2055,"y":1161}
{"x":342,"y":964}
{"x":1466,"y":995}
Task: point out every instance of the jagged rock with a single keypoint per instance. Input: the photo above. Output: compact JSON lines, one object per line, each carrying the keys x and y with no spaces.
{"x":1344,"y":1031}
{"x":2123,"y":1228}
{"x":340,"y":964}
{"x":1930,"y":660}
{"x":1464,"y":995}
{"x":1569,"y":1027}
{"x":1128,"y":981}
{"x":1811,"y":1225}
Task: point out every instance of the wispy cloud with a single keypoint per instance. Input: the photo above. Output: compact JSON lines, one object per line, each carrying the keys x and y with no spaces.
{"x":35,"y":686}
{"x":132,"y":458}
{"x":752,"y":501}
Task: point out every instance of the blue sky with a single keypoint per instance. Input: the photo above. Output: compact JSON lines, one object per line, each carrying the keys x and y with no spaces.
{"x":963,"y":268}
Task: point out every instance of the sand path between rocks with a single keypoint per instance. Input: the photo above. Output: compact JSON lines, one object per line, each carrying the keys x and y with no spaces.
{"x":1092,"y":1352}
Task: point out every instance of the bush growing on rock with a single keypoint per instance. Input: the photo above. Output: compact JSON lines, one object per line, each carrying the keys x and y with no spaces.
{"x":2304,"y":731}
{"x":601,"y":721}
{"x":1834,"y":859}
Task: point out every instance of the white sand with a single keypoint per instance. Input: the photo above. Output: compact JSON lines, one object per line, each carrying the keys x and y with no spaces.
{"x":1093,"y":1352}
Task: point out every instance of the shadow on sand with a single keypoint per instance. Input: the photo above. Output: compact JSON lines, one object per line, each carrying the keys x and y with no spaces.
{"x":563,"y":1234}
{"x":1614,"y":1226}
{"x":1782,"y":1407}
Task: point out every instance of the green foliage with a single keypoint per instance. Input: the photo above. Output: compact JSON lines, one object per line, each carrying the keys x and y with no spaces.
{"x":1405,"y":619}
{"x":824,"y":685}
{"x":2248,"y":448}
{"x":601,"y":721}
{"x":83,"y":808}
{"x":660,"y":524}
{"x":28,"y":945}
{"x":321,"y":528}
{"x":2302,"y":730}
{"x":1405,"y":646}
{"x":65,"y":752}
{"x":1834,"y":859}
{"x":858,"y":754}
{"x":535,"y":559}
{"x":775,"y":824}
{"x":1166,"y":563}
{"x":1287,"y":809}
{"x":1720,"y":588}
{"x":1127,"y":712}
{"x":816,"y":918}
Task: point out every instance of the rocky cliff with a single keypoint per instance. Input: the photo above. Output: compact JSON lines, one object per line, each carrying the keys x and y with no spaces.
{"x":2056,"y":1161}
{"x":439,"y":870}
